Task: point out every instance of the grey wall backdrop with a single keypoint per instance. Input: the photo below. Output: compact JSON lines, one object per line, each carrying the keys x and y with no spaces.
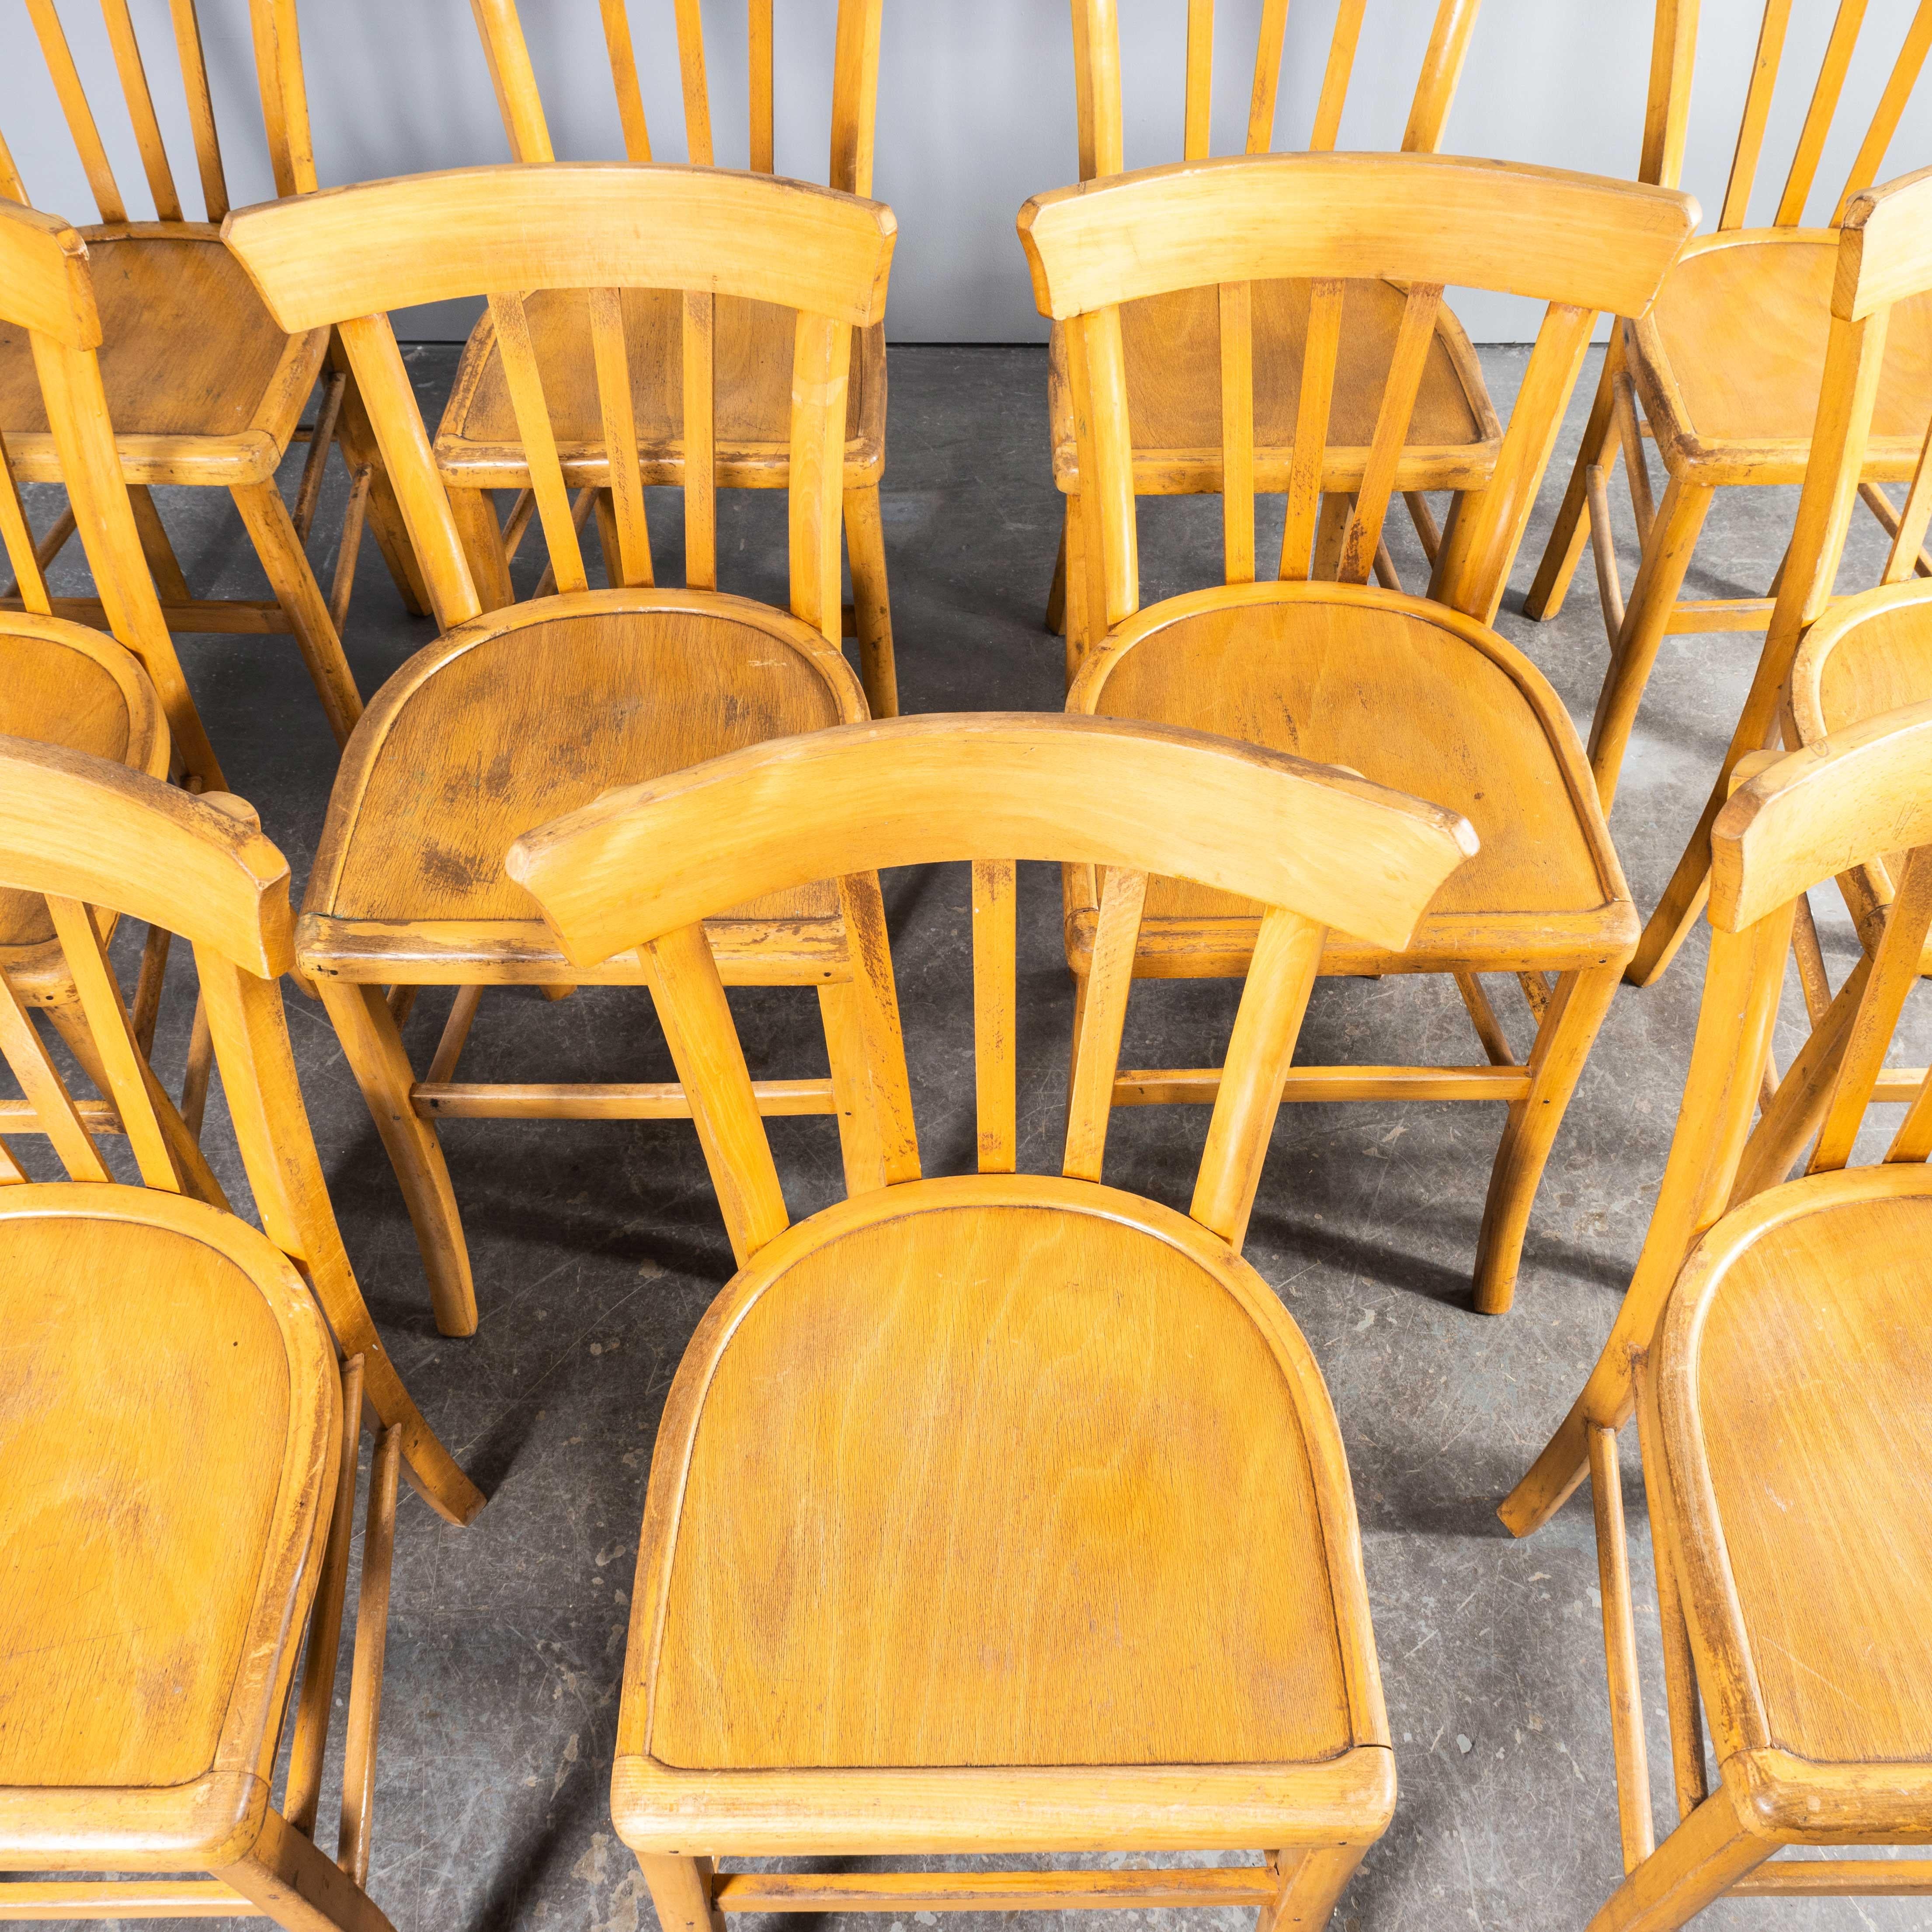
{"x":976,"y":108}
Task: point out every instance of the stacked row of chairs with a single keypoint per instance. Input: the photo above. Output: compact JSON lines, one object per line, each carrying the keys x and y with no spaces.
{"x":1266,"y":779}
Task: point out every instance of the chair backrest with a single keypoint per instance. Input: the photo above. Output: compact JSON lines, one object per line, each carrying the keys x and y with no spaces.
{"x":347,"y":255}
{"x":1885,"y":255}
{"x":1316,"y":846}
{"x":855,"y":85}
{"x":46,"y":289}
{"x":1800,"y":819}
{"x":1667,"y":120}
{"x":92,"y":837}
{"x":1097,"y":80}
{"x":278,"y":72}
{"x":1579,"y":244}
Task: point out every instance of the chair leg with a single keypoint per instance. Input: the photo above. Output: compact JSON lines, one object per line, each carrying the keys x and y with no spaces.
{"x":1699,"y":1862}
{"x":866,"y":544}
{"x":1056,"y":595}
{"x":1309,"y":1890}
{"x":1563,"y":1041}
{"x":294,"y":584}
{"x":373,"y":1047}
{"x":475,"y":512}
{"x":356,"y":436}
{"x":1564,"y":550}
{"x":1075,"y":535}
{"x":859,"y":1141}
{"x":299,"y":1886}
{"x":1660,"y":576}
{"x":681,"y":1890}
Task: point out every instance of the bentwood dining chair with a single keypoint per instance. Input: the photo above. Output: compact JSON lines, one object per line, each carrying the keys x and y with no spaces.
{"x":1727,"y":362}
{"x":181,"y":1401}
{"x":512,"y":718}
{"x":998,"y":1513}
{"x":1773,"y":1347}
{"x":1880,"y":285}
{"x":1169,"y":341}
{"x":202,"y":388}
{"x":478,"y":447}
{"x":1417,"y":693}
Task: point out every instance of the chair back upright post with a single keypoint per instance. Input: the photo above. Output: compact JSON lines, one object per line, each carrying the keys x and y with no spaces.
{"x":284,"y":105}
{"x":1096,"y":69}
{"x":1580,"y":244}
{"x":508,"y":232}
{"x":46,"y":288}
{"x":91,"y":837}
{"x":1794,"y":822}
{"x":1673,"y":59}
{"x":1885,"y":257}
{"x":645,"y":866}
{"x":855,"y":88}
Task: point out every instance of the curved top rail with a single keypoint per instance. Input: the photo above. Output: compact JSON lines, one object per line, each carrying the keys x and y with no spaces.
{"x":1884,"y":252}
{"x":346,"y":252}
{"x":45,"y":283}
{"x":1578,"y":239}
{"x":649,"y":859}
{"x":79,"y":827}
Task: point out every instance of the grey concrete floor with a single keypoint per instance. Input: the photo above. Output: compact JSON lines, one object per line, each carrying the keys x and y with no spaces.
{"x":597,"y":1246}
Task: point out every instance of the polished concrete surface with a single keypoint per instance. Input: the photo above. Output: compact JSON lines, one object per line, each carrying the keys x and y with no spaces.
{"x":597,"y":1246}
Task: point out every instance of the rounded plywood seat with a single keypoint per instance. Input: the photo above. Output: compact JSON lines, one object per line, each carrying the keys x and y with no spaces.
{"x":169,"y":1417}
{"x":511,"y":721}
{"x":63,"y":684}
{"x":996,"y":1472}
{"x":1405,"y":692}
{"x":1717,"y":411}
{"x":1171,"y":344}
{"x":1795,"y":1394}
{"x":202,"y":385}
{"x":479,"y":444}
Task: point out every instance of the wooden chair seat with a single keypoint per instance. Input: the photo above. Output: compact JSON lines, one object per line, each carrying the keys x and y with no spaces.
{"x":1062,"y":1446}
{"x":170,"y":1415}
{"x":202,"y":386}
{"x":1408,"y":694}
{"x":477,"y":446}
{"x":1795,"y":1390}
{"x":1172,"y":345}
{"x":504,"y":723}
{"x":62,"y":684}
{"x":1725,"y":417}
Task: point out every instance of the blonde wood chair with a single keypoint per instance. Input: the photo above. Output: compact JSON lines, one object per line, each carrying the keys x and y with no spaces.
{"x":1722,"y":371}
{"x":1772,"y":1348}
{"x":177,"y":1482}
{"x":1881,"y":279}
{"x":201,"y":386}
{"x":1169,"y":341}
{"x":1420,"y":694}
{"x":512,"y":718}
{"x":47,"y":301}
{"x":1066,"y":1554}
{"x":478,"y":446}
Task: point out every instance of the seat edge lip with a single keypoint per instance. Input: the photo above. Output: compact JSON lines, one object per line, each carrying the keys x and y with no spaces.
{"x":1349,"y":1798}
{"x":1734,"y":1699}
{"x":209,"y":1821}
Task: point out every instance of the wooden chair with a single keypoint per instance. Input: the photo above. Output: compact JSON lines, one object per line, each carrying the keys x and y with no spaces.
{"x":1772,"y":1346}
{"x":509,"y":719}
{"x":1169,"y":341}
{"x":1063,"y":1549}
{"x":1727,"y":362}
{"x":1418,"y":693}
{"x":202,"y":387}
{"x":177,"y":1484}
{"x":1881,"y":282}
{"x":479,"y":447}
